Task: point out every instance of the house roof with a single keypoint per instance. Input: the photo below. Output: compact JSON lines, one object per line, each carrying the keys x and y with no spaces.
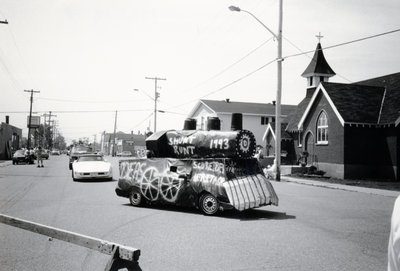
{"x":246,"y":108}
{"x":318,"y":65}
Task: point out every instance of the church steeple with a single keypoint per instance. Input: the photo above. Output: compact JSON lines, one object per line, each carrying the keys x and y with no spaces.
{"x":318,"y":70}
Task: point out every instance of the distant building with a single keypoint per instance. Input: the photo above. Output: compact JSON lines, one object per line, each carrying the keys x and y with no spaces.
{"x":123,"y":142}
{"x":10,"y":139}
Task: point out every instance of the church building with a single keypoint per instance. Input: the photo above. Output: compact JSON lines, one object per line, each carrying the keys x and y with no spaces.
{"x":350,"y":131}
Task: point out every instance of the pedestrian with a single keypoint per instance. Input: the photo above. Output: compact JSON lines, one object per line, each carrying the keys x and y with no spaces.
{"x":39,"y":157}
{"x":394,"y":239}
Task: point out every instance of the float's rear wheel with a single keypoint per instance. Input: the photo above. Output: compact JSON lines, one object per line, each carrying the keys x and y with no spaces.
{"x":209,"y":204}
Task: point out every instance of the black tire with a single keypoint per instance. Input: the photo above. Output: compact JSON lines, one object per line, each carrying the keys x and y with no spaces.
{"x":73,"y":176}
{"x":136,"y":198}
{"x":70,"y":166}
{"x":208,"y":204}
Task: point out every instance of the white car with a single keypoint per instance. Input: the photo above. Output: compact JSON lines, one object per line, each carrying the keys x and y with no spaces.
{"x":91,"y":166}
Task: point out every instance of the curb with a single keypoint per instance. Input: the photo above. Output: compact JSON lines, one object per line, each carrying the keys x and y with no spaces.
{"x":372,"y":191}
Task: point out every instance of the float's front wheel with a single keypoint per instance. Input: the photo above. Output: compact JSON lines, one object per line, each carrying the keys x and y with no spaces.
{"x":208,"y":204}
{"x":135,"y":198}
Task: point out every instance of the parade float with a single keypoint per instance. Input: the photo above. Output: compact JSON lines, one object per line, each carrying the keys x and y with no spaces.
{"x":212,"y":170}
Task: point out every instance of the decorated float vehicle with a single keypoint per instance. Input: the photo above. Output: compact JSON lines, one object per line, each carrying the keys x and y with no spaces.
{"x":212,"y":170}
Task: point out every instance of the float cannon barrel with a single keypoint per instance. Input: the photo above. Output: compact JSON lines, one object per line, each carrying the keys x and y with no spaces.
{"x":202,"y":144}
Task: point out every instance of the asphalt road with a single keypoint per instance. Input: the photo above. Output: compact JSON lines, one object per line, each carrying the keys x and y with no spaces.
{"x":314,"y":228}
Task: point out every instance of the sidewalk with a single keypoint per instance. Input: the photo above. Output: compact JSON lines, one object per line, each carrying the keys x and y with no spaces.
{"x":4,"y":163}
{"x":372,"y":191}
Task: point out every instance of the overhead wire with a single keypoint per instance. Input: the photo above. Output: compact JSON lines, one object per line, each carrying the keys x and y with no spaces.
{"x":289,"y":56}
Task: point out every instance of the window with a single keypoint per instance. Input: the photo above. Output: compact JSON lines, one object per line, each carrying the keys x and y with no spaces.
{"x":264,"y":120}
{"x":322,"y":129}
{"x":300,"y":144}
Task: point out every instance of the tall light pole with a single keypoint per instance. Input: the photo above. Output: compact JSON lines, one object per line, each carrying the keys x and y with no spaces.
{"x":278,"y":37}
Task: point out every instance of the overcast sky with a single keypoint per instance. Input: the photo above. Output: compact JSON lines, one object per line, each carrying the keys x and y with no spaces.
{"x":89,"y":55}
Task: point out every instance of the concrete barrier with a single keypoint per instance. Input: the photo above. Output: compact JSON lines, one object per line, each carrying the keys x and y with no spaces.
{"x":122,"y":256}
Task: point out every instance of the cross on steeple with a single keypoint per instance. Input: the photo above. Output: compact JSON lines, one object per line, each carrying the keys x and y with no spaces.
{"x":319,"y":37}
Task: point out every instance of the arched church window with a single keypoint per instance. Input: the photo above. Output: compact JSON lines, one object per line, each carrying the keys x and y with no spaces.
{"x":322,"y":128}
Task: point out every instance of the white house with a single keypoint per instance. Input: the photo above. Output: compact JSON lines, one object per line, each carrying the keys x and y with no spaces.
{"x":256,"y":116}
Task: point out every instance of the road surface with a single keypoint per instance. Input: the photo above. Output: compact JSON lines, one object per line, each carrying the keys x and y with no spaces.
{"x":313,"y":228}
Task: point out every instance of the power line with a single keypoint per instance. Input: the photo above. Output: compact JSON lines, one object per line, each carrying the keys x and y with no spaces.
{"x":345,"y":43}
{"x":228,"y":85}
{"x":303,"y":53}
{"x":77,"y":111}
{"x":82,"y":101}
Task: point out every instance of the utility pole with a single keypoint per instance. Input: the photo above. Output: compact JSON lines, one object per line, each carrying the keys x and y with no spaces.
{"x":30,"y":115}
{"x":156,"y":96}
{"x":115,"y":130}
{"x":51,"y":129}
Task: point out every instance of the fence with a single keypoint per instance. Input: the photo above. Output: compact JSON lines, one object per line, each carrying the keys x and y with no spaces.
{"x":122,"y":256}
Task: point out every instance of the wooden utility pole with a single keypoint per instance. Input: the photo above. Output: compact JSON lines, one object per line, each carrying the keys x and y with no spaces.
{"x":115,"y":130}
{"x":30,"y":116}
{"x":156,"y":96}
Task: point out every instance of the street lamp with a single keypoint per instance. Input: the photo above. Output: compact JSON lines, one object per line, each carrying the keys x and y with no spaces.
{"x":279,"y":60}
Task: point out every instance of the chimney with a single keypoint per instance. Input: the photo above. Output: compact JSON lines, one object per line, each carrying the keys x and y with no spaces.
{"x":7,"y":119}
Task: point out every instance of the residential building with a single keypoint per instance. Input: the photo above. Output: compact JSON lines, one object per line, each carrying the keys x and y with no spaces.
{"x":256,"y":116}
{"x":10,"y":139}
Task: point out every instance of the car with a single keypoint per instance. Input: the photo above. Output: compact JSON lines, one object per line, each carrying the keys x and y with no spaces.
{"x":20,"y":156}
{"x":91,"y":166}
{"x":124,"y":154}
{"x":55,"y":152}
{"x":76,"y":151}
{"x":45,"y":154}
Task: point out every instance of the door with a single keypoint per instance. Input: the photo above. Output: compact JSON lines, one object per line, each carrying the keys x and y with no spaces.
{"x":309,"y":147}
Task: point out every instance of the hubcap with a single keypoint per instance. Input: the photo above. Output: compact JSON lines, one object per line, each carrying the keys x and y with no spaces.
{"x":210,"y":205}
{"x":135,"y":198}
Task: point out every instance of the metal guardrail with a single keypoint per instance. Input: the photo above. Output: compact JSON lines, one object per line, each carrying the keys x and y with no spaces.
{"x":122,"y":256}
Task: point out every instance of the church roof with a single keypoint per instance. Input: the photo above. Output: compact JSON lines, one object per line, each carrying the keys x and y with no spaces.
{"x":318,"y":65}
{"x":295,"y":116}
{"x":356,"y":103}
{"x":391,"y":102}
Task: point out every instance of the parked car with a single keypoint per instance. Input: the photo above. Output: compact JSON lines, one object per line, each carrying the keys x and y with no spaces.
{"x":76,"y":151}
{"x":45,"y":154}
{"x":21,"y":156}
{"x":124,"y":154}
{"x":91,"y":166}
{"x":55,"y":152}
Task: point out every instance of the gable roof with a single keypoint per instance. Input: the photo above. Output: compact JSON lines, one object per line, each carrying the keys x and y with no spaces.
{"x":318,"y":65}
{"x":351,"y":103}
{"x":271,"y":129}
{"x":245,"y":108}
